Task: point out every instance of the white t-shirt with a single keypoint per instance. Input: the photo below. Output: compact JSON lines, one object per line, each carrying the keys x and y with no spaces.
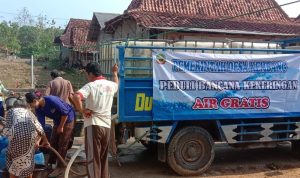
{"x":98,"y":97}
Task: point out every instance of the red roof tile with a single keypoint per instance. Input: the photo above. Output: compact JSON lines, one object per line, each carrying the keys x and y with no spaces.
{"x":213,"y":8}
{"x":80,"y":42}
{"x":157,"y":20}
{"x":210,"y":14}
{"x":75,"y":35}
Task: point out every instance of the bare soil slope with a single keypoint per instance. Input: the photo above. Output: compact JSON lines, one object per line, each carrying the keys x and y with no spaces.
{"x":15,"y":73}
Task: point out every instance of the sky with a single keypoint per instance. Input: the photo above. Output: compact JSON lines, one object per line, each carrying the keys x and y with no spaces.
{"x":62,"y":10}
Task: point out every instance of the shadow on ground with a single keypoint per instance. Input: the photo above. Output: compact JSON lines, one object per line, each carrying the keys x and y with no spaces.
{"x":139,"y":162}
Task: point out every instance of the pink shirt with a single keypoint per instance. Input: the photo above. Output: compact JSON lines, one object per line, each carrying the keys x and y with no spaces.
{"x":61,"y":88}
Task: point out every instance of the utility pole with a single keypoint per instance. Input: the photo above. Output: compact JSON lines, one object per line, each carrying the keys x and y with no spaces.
{"x":32,"y":76}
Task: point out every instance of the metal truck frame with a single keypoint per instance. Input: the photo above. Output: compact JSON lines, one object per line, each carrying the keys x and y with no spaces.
{"x":187,"y":144}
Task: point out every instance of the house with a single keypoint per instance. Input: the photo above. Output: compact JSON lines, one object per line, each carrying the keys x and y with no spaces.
{"x":96,"y":32}
{"x":76,"y":49}
{"x":203,"y":20}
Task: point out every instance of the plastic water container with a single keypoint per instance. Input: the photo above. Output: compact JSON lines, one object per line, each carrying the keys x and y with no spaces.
{"x":39,"y":158}
{"x":3,"y":142}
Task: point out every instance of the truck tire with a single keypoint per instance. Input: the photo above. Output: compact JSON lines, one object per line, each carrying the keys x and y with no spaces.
{"x":191,"y":151}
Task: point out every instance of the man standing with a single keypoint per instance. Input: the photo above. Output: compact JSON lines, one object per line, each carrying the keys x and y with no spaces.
{"x":59,"y":87}
{"x":62,"y":88}
{"x":98,"y":95}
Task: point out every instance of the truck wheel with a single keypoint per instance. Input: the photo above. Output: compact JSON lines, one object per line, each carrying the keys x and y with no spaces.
{"x":191,"y":151}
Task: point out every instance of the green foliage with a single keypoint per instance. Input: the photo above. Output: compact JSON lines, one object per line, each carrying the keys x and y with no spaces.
{"x":8,"y":36}
{"x":26,"y":37}
{"x":76,"y":76}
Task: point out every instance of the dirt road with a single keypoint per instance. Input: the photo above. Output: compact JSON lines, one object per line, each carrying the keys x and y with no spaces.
{"x":229,"y":163}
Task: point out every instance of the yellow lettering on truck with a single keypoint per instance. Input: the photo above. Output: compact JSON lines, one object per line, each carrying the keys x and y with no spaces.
{"x":143,"y":102}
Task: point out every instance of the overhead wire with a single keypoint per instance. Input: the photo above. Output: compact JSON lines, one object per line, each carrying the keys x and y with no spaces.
{"x":36,"y":16}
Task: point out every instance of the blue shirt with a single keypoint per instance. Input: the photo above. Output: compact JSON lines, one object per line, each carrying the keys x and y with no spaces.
{"x":55,"y":108}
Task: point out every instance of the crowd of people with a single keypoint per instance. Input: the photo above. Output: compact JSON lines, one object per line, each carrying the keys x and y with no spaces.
{"x":25,"y":126}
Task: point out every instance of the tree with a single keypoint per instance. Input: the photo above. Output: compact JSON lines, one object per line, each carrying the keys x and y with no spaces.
{"x":14,"y":43}
{"x":8,"y":37}
{"x":27,"y":38}
{"x":46,"y":32}
{"x":4,"y":30}
{"x":24,"y":18}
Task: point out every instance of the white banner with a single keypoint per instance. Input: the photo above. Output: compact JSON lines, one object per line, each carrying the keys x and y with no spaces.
{"x":217,"y":86}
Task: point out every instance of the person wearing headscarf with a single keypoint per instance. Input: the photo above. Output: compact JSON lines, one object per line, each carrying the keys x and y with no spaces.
{"x":24,"y":133}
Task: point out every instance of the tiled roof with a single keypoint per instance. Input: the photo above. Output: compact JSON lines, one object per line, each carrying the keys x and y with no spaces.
{"x":104,"y":17}
{"x":210,"y":14}
{"x":213,"y":8}
{"x":73,"y":23}
{"x":150,"y":19}
{"x":98,"y":23}
{"x":80,"y":42}
{"x":75,"y":35}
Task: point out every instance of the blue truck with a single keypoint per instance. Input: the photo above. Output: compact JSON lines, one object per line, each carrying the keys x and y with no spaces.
{"x":184,"y":134}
